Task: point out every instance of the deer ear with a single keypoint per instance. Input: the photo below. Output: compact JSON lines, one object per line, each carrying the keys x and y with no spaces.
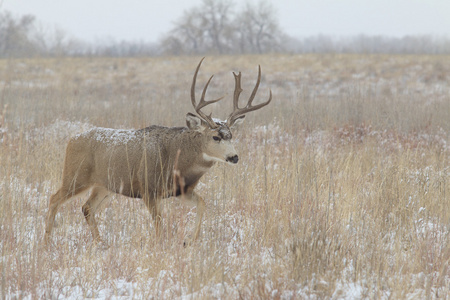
{"x":193,"y":122}
{"x":238,"y":122}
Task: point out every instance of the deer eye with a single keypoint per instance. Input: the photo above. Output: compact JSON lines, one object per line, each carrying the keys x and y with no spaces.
{"x":216,"y":138}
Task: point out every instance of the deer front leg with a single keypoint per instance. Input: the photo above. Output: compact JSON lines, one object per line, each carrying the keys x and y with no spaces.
{"x":153,"y":207}
{"x":193,"y":199}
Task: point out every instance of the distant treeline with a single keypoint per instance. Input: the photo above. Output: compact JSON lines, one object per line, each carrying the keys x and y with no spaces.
{"x":212,"y":28}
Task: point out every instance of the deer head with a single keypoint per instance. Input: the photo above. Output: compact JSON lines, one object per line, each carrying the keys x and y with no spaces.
{"x":217,"y":134}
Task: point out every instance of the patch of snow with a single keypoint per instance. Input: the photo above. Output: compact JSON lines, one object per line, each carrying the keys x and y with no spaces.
{"x":111,"y":136}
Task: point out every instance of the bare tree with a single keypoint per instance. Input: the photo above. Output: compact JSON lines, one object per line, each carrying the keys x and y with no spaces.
{"x":257,"y":29}
{"x":214,"y":27}
{"x":203,"y":29}
{"x":217,"y":24}
{"x":25,"y":36}
{"x":15,"y":36}
{"x":187,"y":36}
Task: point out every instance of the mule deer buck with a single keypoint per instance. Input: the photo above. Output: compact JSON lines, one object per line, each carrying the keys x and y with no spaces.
{"x":151,"y":163}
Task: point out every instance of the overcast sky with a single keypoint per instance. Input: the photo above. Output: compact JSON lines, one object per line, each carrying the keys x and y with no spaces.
{"x":148,"y":20}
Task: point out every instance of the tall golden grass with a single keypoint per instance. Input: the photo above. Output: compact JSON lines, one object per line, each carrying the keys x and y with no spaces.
{"x":342,"y":189}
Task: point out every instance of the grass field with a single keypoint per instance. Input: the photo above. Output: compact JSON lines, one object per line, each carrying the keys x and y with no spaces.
{"x":342,"y":189}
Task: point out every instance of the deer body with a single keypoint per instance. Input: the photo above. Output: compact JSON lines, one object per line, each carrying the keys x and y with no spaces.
{"x":134,"y":163}
{"x":152,"y":163}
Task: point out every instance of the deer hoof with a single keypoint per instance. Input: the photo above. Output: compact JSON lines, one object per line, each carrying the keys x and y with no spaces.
{"x":101,"y":245}
{"x":188,"y":242}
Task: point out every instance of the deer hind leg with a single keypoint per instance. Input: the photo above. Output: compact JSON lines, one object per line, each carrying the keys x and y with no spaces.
{"x":193,"y":199}
{"x":61,"y":196}
{"x":98,"y":194}
{"x":153,"y":206}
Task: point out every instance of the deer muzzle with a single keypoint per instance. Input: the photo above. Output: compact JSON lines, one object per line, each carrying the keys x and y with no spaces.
{"x":233,"y":159}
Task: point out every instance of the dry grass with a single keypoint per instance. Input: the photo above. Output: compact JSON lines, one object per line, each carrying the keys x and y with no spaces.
{"x":342,"y":190}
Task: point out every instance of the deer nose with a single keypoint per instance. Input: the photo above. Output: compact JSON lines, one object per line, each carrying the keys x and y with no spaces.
{"x":233,"y":159}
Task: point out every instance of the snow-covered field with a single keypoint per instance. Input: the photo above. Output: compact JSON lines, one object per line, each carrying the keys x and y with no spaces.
{"x":342,"y":188}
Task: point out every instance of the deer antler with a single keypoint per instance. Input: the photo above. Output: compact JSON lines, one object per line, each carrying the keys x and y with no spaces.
{"x":237,"y":112}
{"x":203,"y":103}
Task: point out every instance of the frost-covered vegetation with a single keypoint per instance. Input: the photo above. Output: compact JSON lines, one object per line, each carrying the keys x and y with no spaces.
{"x":342,"y":189}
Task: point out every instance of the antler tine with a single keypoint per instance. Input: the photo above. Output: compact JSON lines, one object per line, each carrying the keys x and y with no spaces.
{"x":237,"y":90}
{"x":237,"y":112}
{"x":255,"y":89}
{"x":203,"y":102}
